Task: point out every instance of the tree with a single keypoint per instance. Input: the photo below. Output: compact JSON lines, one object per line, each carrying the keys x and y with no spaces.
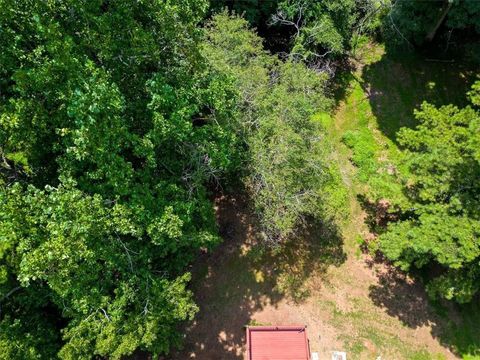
{"x":291,"y":178}
{"x":309,"y":31}
{"x":112,"y":129}
{"x":420,"y":22}
{"x":441,"y":229}
{"x":88,"y":259}
{"x":117,"y":118}
{"x":256,"y":12}
{"x":323,"y":32}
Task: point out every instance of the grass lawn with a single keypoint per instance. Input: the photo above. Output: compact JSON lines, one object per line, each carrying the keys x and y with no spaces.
{"x":381,"y":97}
{"x":348,"y":300}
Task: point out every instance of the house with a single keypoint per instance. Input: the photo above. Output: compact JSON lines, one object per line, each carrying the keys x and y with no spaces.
{"x":277,"y":343}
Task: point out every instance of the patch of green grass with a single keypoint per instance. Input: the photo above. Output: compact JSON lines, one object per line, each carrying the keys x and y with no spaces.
{"x":254,"y":322}
{"x":359,"y":314}
{"x":365,"y":149}
{"x":376,"y":158}
{"x":383,"y":344}
{"x":324,"y":119}
{"x":352,"y":345}
{"x":425,"y":355}
{"x":464,"y":336}
{"x":351,"y":316}
{"x":378,"y":99}
{"x":388,"y":343}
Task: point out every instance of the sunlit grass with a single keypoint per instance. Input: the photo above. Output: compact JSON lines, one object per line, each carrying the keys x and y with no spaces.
{"x":379,"y":98}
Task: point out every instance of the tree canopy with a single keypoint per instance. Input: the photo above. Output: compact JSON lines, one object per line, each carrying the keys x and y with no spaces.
{"x":310,"y":31}
{"x":104,"y":173}
{"x":120,"y":120}
{"x":420,"y":22}
{"x":291,"y":176}
{"x":117,"y":120}
{"x":440,"y":229}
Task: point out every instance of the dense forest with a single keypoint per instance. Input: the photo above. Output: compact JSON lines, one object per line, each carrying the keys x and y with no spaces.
{"x":121,"y":121}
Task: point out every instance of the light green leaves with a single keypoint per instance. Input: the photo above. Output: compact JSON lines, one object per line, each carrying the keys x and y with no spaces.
{"x":290,"y":177}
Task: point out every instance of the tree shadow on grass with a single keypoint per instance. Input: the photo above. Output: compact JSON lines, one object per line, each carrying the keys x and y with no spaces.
{"x":456,"y":327}
{"x":315,"y":248}
{"x":339,"y":86}
{"x":376,"y":213}
{"x":242,"y":277}
{"x":396,"y":86}
{"x":403,"y":296}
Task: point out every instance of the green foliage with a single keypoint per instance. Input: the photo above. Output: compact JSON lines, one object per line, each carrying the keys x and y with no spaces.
{"x":419,"y":22}
{"x":442,"y":227}
{"x":465,"y":335}
{"x":115,"y":120}
{"x":111,"y":129}
{"x":291,"y":177}
{"x":27,"y":336}
{"x":377,"y":162}
{"x":320,"y":27}
{"x":365,"y":150}
{"x":256,"y":12}
{"x":97,"y":271}
{"x":310,"y":31}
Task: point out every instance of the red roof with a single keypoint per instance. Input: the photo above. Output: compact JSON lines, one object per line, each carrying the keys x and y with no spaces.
{"x":277,"y":343}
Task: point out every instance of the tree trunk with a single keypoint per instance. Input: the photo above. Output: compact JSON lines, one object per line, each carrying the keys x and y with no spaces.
{"x":434,"y":30}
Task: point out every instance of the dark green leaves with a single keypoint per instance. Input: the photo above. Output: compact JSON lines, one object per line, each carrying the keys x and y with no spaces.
{"x":443,"y":225}
{"x":111,"y":129}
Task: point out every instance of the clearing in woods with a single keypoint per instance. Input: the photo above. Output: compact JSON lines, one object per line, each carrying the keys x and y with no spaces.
{"x":349,"y":300}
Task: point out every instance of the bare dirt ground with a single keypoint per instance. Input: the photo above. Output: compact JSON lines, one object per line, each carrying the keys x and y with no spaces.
{"x":353,"y":303}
